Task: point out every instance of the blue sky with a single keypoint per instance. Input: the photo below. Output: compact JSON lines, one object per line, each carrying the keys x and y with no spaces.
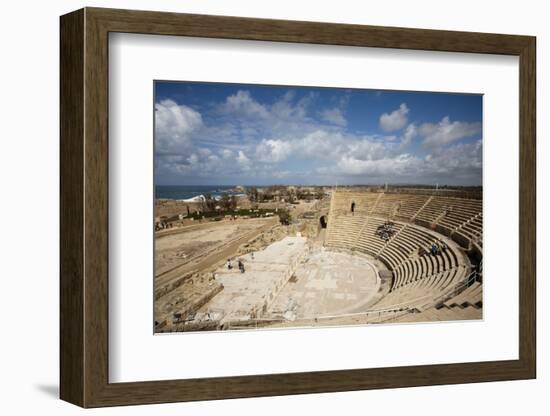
{"x":240,"y":134}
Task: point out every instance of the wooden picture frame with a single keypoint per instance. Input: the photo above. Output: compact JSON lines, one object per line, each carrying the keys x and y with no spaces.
{"x":84,"y":207}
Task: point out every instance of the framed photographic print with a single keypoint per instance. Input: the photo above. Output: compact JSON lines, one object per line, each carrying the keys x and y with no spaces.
{"x":256,"y":207}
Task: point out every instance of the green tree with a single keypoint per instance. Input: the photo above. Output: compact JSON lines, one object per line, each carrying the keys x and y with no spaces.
{"x":228,"y":203}
{"x":284,"y":216}
{"x":252,"y":194}
{"x":319,"y":193}
{"x":291,"y":195}
{"x":225,"y":202}
{"x":208,"y":203}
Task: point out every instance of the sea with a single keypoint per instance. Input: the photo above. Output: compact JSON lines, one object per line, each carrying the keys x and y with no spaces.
{"x":188,"y":192}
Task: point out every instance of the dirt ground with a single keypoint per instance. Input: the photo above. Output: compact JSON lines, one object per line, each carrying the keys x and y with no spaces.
{"x":195,"y":241}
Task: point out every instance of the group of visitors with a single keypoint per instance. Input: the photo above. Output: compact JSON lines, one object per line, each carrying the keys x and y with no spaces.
{"x":163,"y":225}
{"x":240,"y":265}
{"x":385,"y":231}
{"x":437,"y":247}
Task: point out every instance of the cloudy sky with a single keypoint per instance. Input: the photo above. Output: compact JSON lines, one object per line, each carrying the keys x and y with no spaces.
{"x":238,"y":134}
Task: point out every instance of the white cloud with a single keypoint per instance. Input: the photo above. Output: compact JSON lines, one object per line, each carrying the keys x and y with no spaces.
{"x":246,"y":118}
{"x":404,"y":164}
{"x":285,"y":110}
{"x":319,"y":144}
{"x":334,"y":116}
{"x":202,"y":163}
{"x":366,"y":149}
{"x":226,"y":154}
{"x":458,"y":159}
{"x":204,"y":152}
{"x":410,"y":133}
{"x":243,"y":105}
{"x":243,"y":161}
{"x":395,"y":120}
{"x":273,"y":151}
{"x":446,"y":132}
{"x":174,"y":125}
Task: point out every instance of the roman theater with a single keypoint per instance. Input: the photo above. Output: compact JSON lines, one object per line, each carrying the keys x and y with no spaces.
{"x":354,"y":257}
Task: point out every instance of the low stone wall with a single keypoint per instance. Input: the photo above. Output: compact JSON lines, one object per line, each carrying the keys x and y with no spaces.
{"x":178,"y":321}
{"x":163,"y":290}
{"x":197,"y":326}
{"x":250,"y":324}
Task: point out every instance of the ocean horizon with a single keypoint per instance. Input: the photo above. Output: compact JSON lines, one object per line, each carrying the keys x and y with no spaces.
{"x":180,"y":192}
